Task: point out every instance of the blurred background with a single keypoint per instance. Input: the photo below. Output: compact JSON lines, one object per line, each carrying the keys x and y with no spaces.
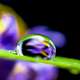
{"x":49,"y":18}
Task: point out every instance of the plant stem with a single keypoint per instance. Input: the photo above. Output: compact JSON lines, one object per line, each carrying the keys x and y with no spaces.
{"x":60,"y":62}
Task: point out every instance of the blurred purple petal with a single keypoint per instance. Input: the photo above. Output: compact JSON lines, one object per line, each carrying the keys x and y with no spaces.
{"x":58,"y":38}
{"x":9,"y":37}
{"x":37,"y":71}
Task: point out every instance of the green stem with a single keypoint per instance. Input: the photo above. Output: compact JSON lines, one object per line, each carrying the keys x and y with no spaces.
{"x":61,"y":62}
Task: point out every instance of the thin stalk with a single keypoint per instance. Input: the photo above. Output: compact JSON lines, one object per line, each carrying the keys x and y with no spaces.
{"x":73,"y":65}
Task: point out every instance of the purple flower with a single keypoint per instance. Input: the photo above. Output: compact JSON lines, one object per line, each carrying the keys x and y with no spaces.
{"x":29,"y":70}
